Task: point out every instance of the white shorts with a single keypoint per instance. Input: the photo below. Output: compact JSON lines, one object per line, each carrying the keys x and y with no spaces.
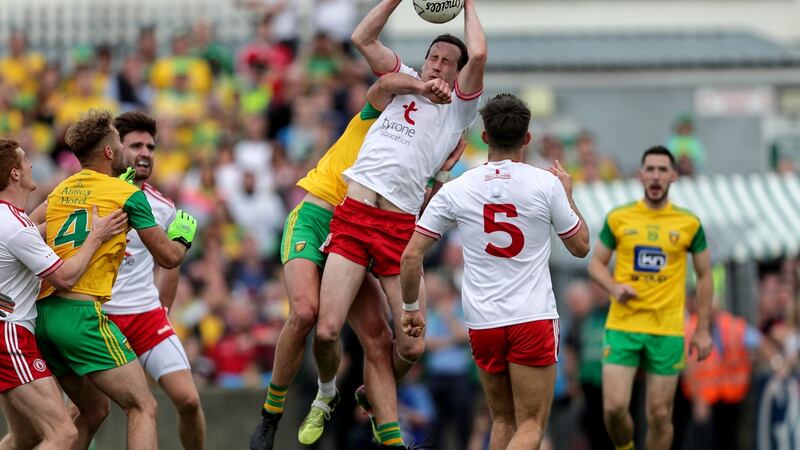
{"x":166,"y":357}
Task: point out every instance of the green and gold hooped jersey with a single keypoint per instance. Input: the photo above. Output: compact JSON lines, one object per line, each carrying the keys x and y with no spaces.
{"x":69,"y":220}
{"x":651,"y":247}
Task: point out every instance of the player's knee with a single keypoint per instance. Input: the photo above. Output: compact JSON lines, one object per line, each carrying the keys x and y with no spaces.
{"x":327,"y":334}
{"x":95,"y":416}
{"x":614,"y":410}
{"x":659,"y":416}
{"x":378,"y":345}
{"x":144,"y":405}
{"x":303,"y":315}
{"x":412,"y":350}
{"x":188,"y":404}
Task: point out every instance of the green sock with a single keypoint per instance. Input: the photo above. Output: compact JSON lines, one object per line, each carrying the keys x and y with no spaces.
{"x":276,"y":395}
{"x":390,"y":434}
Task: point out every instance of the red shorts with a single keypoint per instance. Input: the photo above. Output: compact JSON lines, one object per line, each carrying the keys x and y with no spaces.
{"x":20,"y":360}
{"x":527,"y":344}
{"x":365,"y":234}
{"x":144,"y":330}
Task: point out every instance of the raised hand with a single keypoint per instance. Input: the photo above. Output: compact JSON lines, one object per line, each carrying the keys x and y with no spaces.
{"x":182,"y":229}
{"x":437,"y":91}
{"x":562,"y":175}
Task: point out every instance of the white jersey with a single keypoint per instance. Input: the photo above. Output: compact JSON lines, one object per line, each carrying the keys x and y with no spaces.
{"x":134,"y":289}
{"x":24,"y":259}
{"x":409,"y":142}
{"x":504,"y":211}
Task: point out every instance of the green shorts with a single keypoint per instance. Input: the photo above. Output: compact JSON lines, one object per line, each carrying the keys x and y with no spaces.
{"x":306,"y":229}
{"x":75,"y":336}
{"x":662,"y":355}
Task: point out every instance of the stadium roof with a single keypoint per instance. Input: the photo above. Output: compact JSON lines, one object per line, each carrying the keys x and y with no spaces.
{"x":618,"y":51}
{"x":744,"y":216}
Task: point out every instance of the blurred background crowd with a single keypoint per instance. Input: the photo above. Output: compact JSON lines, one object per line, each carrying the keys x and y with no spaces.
{"x":239,"y":122}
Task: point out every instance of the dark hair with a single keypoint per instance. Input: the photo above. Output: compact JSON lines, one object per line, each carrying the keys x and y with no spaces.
{"x":450,"y":39}
{"x":92,"y":130}
{"x":9,"y":159}
{"x":505,"y":119}
{"x":134,"y":121}
{"x":659,"y":150}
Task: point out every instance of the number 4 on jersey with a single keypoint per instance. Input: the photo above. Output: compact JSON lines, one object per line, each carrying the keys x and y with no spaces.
{"x":75,"y":229}
{"x":490,"y":225}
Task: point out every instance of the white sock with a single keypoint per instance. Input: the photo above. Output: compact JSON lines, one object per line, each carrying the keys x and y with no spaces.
{"x":328,"y":389}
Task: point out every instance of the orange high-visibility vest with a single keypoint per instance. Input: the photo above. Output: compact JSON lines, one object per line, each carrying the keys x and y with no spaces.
{"x":721,"y":377}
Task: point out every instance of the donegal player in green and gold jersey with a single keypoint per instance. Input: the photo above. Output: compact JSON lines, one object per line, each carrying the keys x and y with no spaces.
{"x":87,"y":352}
{"x":645,"y":325}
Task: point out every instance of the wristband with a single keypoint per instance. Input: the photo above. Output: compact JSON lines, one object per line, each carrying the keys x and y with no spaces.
{"x":442,"y":176}
{"x":182,"y":240}
{"x":411,"y":306}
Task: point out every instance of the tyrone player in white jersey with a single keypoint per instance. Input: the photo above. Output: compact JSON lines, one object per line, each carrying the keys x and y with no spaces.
{"x":143,"y":291}
{"x":403,"y":149}
{"x":29,"y":395}
{"x":504,"y":210}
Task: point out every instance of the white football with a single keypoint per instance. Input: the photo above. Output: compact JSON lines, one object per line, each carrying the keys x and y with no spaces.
{"x":438,"y":11}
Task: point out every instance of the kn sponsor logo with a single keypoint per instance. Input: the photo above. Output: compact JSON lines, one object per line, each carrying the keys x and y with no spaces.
{"x":648,"y":259}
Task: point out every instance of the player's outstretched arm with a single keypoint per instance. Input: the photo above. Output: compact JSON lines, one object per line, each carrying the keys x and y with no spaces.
{"x":701,"y":338}
{"x":470,"y":79}
{"x":365,"y":38}
{"x":103,"y":228}
{"x":169,"y":249}
{"x":413,"y":321}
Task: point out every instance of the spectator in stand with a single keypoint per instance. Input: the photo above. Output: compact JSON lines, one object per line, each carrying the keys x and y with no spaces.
{"x":204,"y":45}
{"x":84,"y":98}
{"x":260,"y":212}
{"x":21,"y":68}
{"x":590,"y":165}
{"x":686,"y":146}
{"x":337,"y":19}
{"x":129,"y":87}
{"x":166,"y":69}
{"x":263,"y":52}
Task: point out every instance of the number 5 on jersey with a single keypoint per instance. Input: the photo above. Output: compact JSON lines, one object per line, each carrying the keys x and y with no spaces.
{"x":490,"y":225}
{"x":74,"y":230}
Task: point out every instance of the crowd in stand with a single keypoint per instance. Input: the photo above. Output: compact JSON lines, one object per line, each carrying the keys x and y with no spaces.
{"x":237,"y":127}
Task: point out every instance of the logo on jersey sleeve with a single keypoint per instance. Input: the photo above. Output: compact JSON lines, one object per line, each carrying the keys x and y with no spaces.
{"x":648,"y":259}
